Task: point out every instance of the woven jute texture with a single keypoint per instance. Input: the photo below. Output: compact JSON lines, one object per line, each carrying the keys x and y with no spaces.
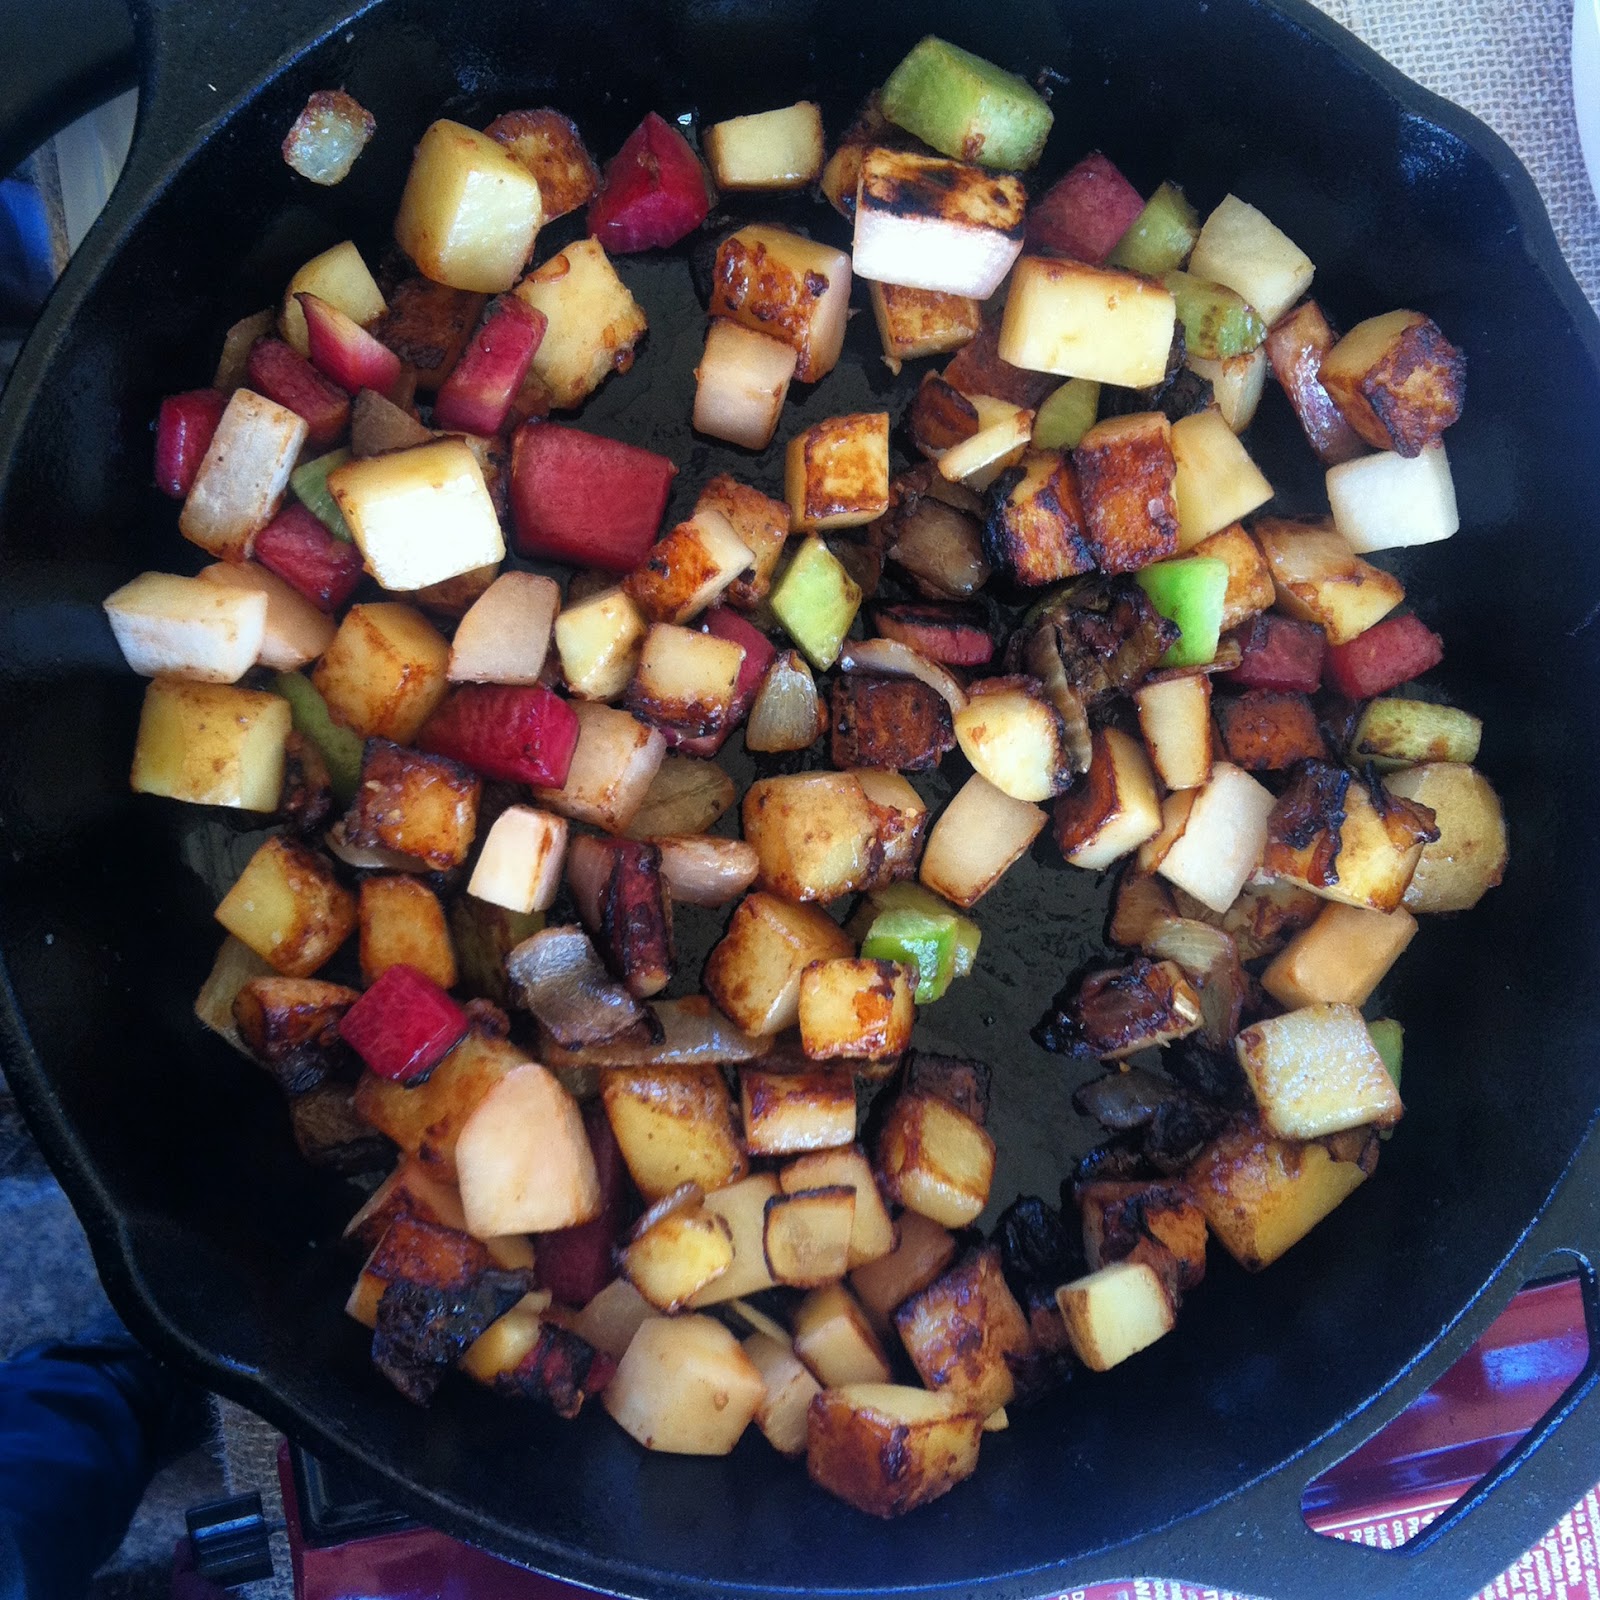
{"x":1509,"y":62}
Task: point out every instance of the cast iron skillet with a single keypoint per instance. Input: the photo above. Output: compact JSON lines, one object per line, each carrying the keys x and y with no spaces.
{"x":1189,"y":1461}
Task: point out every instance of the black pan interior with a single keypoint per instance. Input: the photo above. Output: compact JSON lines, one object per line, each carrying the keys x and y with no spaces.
{"x":178,"y":1152}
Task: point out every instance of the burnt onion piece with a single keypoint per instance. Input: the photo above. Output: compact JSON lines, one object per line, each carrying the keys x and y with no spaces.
{"x":1118,"y":1010}
{"x":1210,"y":959}
{"x":1122,"y":1101}
{"x":558,"y":976}
{"x":932,"y":530}
{"x":1211,"y":1073}
{"x":681,"y":1033}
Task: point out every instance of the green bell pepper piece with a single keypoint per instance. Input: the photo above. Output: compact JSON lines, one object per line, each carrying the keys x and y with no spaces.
{"x":341,"y":749}
{"x":1067,"y":415}
{"x":816,"y":600}
{"x":1189,"y":591}
{"x":1161,"y":236}
{"x":310,"y":484}
{"x":966,"y":107}
{"x":927,"y":943}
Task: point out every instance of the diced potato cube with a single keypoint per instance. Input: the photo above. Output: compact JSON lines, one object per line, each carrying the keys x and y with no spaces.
{"x":505,"y":635}
{"x":923,"y":1251}
{"x":767,"y":149}
{"x":289,"y":908}
{"x":678,"y":1252}
{"x":1217,"y":482}
{"x":837,"y":472}
{"x":688,"y":569}
{"x":1236,"y":384}
{"x":1221,"y":841}
{"x":243,"y":475}
{"x":741,"y":384}
{"x":790,"y":1391}
{"x":902,"y":822}
{"x":1343,"y":956}
{"x":470,"y":211}
{"x":852,"y":1006}
{"x":761,"y":525}
{"x":787,"y":287}
{"x":833,"y":1338}
{"x":593,"y":324}
{"x":340,"y":278}
{"x":1320,"y":579}
{"x":1389,"y":502}
{"x":520,"y":864}
{"x":922,"y":322}
{"x":787,"y":1112}
{"x":754,"y":973}
{"x":1397,"y":379}
{"x":817,"y":834}
{"x":886,"y":1448}
{"x":1239,"y":248}
{"x":1469,"y":856}
{"x":295,"y":632}
{"x":1113,"y":808}
{"x":685,"y":1387}
{"x":211,"y":745}
{"x":420,"y":805}
{"x":1115,"y":1313}
{"x":1015,"y":740}
{"x":978,"y":838}
{"x":598,"y":640}
{"x":935,"y":1159}
{"x":1175,"y":719}
{"x":1250,"y":586}
{"x":1087,"y":322}
{"x":504,"y":1345}
{"x":872,"y":1233}
{"x":1394,"y":732}
{"x":402,"y":923}
{"x":611,"y":1319}
{"x":550,"y":147}
{"x":807,"y":1238}
{"x":1002,"y":439}
{"x":1316,"y":1071}
{"x":419,"y":516}
{"x":743,"y":1207}
{"x":685,"y":679}
{"x":1126,"y":476}
{"x":183,"y":628}
{"x":384,"y":673}
{"x":1159,"y":1223}
{"x":961,"y":1330}
{"x":1035,"y":525}
{"x":616,"y":758}
{"x":1175,"y":811}
{"x":686,"y":797}
{"x":674,"y":1125}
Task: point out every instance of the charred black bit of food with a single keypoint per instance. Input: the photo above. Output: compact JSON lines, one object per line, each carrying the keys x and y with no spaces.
{"x":1124,"y":1100}
{"x":1121,"y":1158}
{"x":1158,"y":1223}
{"x":1169,"y":1122}
{"x":307,"y":801}
{"x":1210,"y":1073}
{"x":961,"y":1082}
{"x":1040,"y":1249}
{"x":1357,"y":1146}
{"x":561,"y":1371}
{"x":1309,"y":816}
{"x":1118,"y":1010}
{"x":292,"y":1027}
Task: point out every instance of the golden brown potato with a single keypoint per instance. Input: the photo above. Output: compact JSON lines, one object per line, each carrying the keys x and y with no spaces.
{"x":754,"y":973}
{"x":288,"y":906}
{"x":420,"y":805}
{"x":962,"y":1331}
{"x":1036,"y":528}
{"x":872,"y":1233}
{"x":787,"y":1112}
{"x":1296,"y":346}
{"x":1320,"y":579}
{"x":1399,"y":382}
{"x":1159,"y":1223}
{"x":550,"y":147}
{"x":817,"y":834}
{"x":788,"y":287}
{"x":385,"y":672}
{"x":1113,"y":808}
{"x":923,"y":1250}
{"x":674,"y":1125}
{"x":688,"y":568}
{"x":1315,"y":1071}
{"x":761,"y":525}
{"x":941,"y":416}
{"x":409,"y":1191}
{"x":292,"y":1027}
{"x":807,"y":1236}
{"x":211,"y":744}
{"x":935,"y":1160}
{"x":1469,"y":857}
{"x":594,"y":324}
{"x":835,"y":1340}
{"x":852,"y":1006}
{"x":1250,"y":586}
{"x":677,"y":1248}
{"x":921,"y":322}
{"x":1126,"y":472}
{"x":837,"y":473}
{"x":402,"y":923}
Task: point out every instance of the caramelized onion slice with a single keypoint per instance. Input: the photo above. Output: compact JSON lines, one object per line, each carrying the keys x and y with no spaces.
{"x":559,"y":976}
{"x":897,"y":660}
{"x":787,"y":713}
{"x":692,"y":1032}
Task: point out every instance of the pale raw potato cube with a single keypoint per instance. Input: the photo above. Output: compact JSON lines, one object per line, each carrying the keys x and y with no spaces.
{"x":1115,"y":1313}
{"x":787,"y":1112}
{"x":611,"y":1319}
{"x":1222,"y":841}
{"x":935,"y":1159}
{"x":1316,"y":1071}
{"x":888,"y":1448}
{"x":1239,"y":248}
{"x":211,"y":745}
{"x":741,"y":383}
{"x":807,"y":1238}
{"x":754,"y":973}
{"x":816,"y":833}
{"x":183,"y":628}
{"x":834,"y":1339}
{"x":688,"y":569}
{"x":523,"y":1159}
{"x":1087,"y":322}
{"x":1175,"y":719}
{"x":470,"y":211}
{"x":1342,"y":957}
{"x":790,"y":1391}
{"x":242,"y":478}
{"x":616,"y":758}
{"x":236,"y":965}
{"x":685,"y":1386}
{"x":767,"y":149}
{"x":922,"y":322}
{"x":520,"y":864}
{"x":1387,"y":501}
{"x":743,"y":1207}
{"x":855,"y":1007}
{"x":593,"y":322}
{"x":999,"y":443}
{"x":1469,"y":856}
{"x":419,"y":516}
{"x":978,"y":838}
{"x":788,"y":287}
{"x":1013,"y":738}
{"x":678,"y":1252}
{"x":1216,"y":481}
{"x":1236,"y":384}
{"x":1320,"y":579}
{"x":290,"y":909}
{"x":1250,"y":585}
{"x":1113,"y":809}
{"x":836,"y":473}
{"x":384,"y":673}
{"x":295,"y":633}
{"x":923,"y":1251}
{"x":338,"y":276}
{"x":674,"y":1125}
{"x":872,"y":1232}
{"x":598,"y":641}
{"x":505,"y":635}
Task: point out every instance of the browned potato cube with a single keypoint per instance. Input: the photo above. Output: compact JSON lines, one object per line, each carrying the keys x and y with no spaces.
{"x":420,"y":805}
{"x":211,"y":744}
{"x":1469,"y":856}
{"x":834,"y":1339}
{"x":427,"y":325}
{"x":1250,"y":587}
{"x":402,"y":924}
{"x":762,"y":527}
{"x":1320,"y":579}
{"x":902,"y":822}
{"x":941,"y":417}
{"x":935,"y":1160}
{"x":235,"y":965}
{"x":743,"y":1206}
{"x":922,"y":322}
{"x":1343,"y":956}
{"x":1036,"y":527}
{"x":787,"y":287}
{"x":1115,"y":1313}
{"x":886,"y":1448}
{"x":1113,"y":808}
{"x":674,"y":1125}
{"x":962,"y":1083}
{"x":754,"y":973}
{"x":872,"y":1233}
{"x":1398,"y":381}
{"x":1266,"y":730}
{"x":685,"y":679}
{"x":1159,"y":1223}
{"x":677,"y":1248}
{"x":1316,"y":1071}
{"x":550,"y":147}
{"x":1126,"y":476}
{"x":837,"y":473}
{"x":961,"y":1330}
{"x":289,"y":908}
{"x":593,"y":322}
{"x":807,"y":1236}
{"x":688,"y":568}
{"x":1141,"y":901}
{"x":853,"y":1006}
{"x":924,"y":1250}
{"x":790,"y":1391}
{"x":292,"y":1027}
{"x":817,"y":834}
{"x":385,"y":672}
{"x":787,"y":1112}
{"x":409,"y":1191}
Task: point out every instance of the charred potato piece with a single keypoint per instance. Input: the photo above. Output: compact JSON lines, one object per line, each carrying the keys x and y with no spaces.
{"x":292,"y":1026}
{"x":428,"y":325}
{"x":837,"y":473}
{"x":674,"y":1125}
{"x":625,"y":904}
{"x":1159,"y":1223}
{"x":1264,"y":730}
{"x":1036,"y":529}
{"x":787,"y":287}
{"x":1112,"y":809}
{"x":855,"y":1007}
{"x":962,"y":1083}
{"x":897,"y":723}
{"x":963,"y":1331}
{"x":1126,"y":476}
{"x":785,"y":1113}
{"x":761,"y":525}
{"x":754,"y":973}
{"x":1399,"y":382}
{"x":941,"y":417}
{"x":419,"y":805}
{"x":1296,"y":346}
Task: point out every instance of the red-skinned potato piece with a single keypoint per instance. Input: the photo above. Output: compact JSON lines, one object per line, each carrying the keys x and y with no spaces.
{"x":476,"y":397}
{"x":950,"y":635}
{"x":653,"y":193}
{"x":184,"y":427}
{"x":1388,"y":654}
{"x":575,"y":1264}
{"x":404,"y":1025}
{"x":582,"y":498}
{"x":299,"y":549}
{"x":287,"y":378}
{"x":516,"y":733}
{"x":1278,"y":653}
{"x":1085,"y":213}
{"x":344,"y":352}
{"x":759,"y":654}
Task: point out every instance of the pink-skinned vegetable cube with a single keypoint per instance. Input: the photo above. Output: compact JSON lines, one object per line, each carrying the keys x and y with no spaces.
{"x":1388,"y":654}
{"x":581,"y":498}
{"x":759,"y":654}
{"x":477,"y":396}
{"x":184,"y":427}
{"x":518,"y":734}
{"x":1279,"y":653}
{"x":404,"y":1025}
{"x":575,"y":1264}
{"x":1085,"y":213}
{"x":653,"y":193}
{"x":300,"y":550}
{"x":287,"y":378}
{"x":344,"y":352}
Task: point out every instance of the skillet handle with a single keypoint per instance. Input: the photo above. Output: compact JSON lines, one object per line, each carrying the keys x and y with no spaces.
{"x":1256,"y":1542}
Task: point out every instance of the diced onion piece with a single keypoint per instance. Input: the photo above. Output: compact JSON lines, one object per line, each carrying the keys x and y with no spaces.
{"x":901,"y":661}
{"x":701,"y":871}
{"x":787,"y":714}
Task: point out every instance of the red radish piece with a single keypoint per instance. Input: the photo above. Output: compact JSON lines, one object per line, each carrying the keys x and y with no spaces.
{"x":1084,"y":214}
{"x":184,"y":427}
{"x":653,"y":192}
{"x":513,"y":733}
{"x":477,"y":395}
{"x":281,"y":375}
{"x":1388,"y":654}
{"x":946,"y":634}
{"x":581,"y":498}
{"x":622,"y":900}
{"x":344,"y":352}
{"x":759,"y":654}
{"x":404,"y":1025}
{"x":575,"y":1264}
{"x":1279,"y":653}
{"x":300,"y":550}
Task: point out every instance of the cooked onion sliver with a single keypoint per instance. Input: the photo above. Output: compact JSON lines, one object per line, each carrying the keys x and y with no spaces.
{"x":786,"y":713}
{"x":560,"y":978}
{"x":899,"y":660}
{"x":701,"y":871}
{"x":1209,"y":957}
{"x":693,"y":1033}
{"x":369,"y":858}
